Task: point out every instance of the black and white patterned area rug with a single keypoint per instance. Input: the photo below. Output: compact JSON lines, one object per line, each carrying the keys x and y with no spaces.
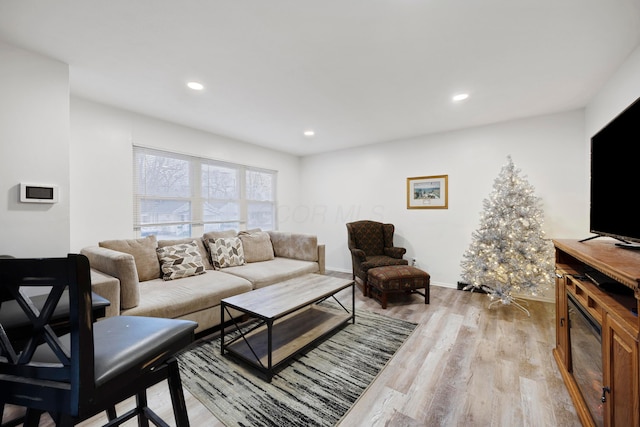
{"x":313,"y":389}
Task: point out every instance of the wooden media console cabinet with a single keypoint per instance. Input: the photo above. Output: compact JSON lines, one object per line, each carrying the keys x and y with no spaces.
{"x":597,"y":285}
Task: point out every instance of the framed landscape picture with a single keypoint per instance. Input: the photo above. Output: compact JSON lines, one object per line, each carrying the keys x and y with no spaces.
{"x":428,"y":192}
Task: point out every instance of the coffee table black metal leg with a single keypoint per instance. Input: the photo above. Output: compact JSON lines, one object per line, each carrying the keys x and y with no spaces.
{"x":269,"y":349}
{"x":353,"y":303}
{"x":222,"y":327}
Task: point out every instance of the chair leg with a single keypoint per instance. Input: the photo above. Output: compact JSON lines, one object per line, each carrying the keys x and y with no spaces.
{"x":177,"y":395}
{"x":141,"y":403}
{"x":111,"y":413}
{"x":383,"y":299}
{"x":65,"y":420}
{"x":32,"y":418}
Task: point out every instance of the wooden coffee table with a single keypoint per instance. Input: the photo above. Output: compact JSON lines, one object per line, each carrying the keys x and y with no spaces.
{"x":290,"y":319}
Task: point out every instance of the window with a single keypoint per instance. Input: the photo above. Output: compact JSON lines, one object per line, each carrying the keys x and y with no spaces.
{"x":179,"y":196}
{"x":260,"y":205}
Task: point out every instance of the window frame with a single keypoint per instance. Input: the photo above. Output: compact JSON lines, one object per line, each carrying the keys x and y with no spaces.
{"x":196,"y":223}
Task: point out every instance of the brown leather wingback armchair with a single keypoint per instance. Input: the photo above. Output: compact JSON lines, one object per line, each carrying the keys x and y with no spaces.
{"x":371,"y":245}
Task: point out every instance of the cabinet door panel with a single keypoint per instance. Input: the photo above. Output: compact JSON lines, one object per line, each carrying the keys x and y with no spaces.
{"x":620,"y":351}
{"x":562,"y":323}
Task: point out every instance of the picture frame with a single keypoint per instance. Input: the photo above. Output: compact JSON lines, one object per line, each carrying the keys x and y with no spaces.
{"x":428,"y":192}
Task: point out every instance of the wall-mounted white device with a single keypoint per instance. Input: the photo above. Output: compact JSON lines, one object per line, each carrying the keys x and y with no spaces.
{"x":38,"y":193}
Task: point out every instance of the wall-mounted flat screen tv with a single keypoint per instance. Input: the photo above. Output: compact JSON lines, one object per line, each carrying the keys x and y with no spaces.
{"x":615,"y":178}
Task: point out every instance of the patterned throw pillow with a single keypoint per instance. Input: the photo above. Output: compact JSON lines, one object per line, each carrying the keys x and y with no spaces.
{"x":178,"y":261}
{"x":226,"y":252}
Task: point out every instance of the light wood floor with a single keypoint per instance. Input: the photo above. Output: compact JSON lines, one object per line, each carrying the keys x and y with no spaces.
{"x":464,"y":365}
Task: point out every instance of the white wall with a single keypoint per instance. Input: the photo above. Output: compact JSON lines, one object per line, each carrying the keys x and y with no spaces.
{"x":617,"y":94}
{"x":34,"y":147}
{"x":370,"y":183}
{"x":317,"y":194}
{"x":101,"y":166}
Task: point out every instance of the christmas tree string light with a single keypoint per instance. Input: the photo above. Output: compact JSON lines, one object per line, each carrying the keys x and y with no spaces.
{"x":509,"y":253}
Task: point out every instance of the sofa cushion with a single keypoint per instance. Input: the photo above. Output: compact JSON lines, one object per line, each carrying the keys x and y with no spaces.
{"x":266,"y":273}
{"x":213,"y":235}
{"x":204,"y":252}
{"x":179,"y":261}
{"x":144,"y":254}
{"x":257,"y":246}
{"x":226,"y":252}
{"x":177,"y":298}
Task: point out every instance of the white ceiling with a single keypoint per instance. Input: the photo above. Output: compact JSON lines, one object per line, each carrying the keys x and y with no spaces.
{"x":355,"y":71}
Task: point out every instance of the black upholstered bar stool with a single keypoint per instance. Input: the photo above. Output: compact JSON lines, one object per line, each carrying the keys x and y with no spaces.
{"x":97,"y":365}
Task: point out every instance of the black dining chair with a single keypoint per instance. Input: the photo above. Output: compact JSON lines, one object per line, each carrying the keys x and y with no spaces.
{"x":93,"y":367}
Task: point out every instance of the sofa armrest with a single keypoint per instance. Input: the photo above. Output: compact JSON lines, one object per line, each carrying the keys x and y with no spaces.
{"x":321,"y":259}
{"x":298,"y":246}
{"x":294,"y":245}
{"x":119,"y":265}
{"x":107,"y":287}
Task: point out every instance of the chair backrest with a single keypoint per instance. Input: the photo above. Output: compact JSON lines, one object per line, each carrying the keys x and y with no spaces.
{"x":370,"y":236}
{"x":41,"y":369}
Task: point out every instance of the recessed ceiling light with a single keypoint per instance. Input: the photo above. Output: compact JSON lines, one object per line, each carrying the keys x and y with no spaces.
{"x":309,"y":133}
{"x":460,"y":97}
{"x":195,"y":85}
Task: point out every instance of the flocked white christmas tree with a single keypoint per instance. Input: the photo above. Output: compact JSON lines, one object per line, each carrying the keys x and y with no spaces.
{"x":509,"y":254}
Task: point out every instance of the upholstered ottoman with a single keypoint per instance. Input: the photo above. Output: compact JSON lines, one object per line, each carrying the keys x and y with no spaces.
{"x":382,"y":281}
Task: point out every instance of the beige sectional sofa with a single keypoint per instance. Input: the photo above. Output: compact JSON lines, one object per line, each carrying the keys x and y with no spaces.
{"x":187,"y":278}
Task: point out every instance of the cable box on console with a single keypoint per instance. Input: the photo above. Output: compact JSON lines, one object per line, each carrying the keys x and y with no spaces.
{"x":606,"y":283}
